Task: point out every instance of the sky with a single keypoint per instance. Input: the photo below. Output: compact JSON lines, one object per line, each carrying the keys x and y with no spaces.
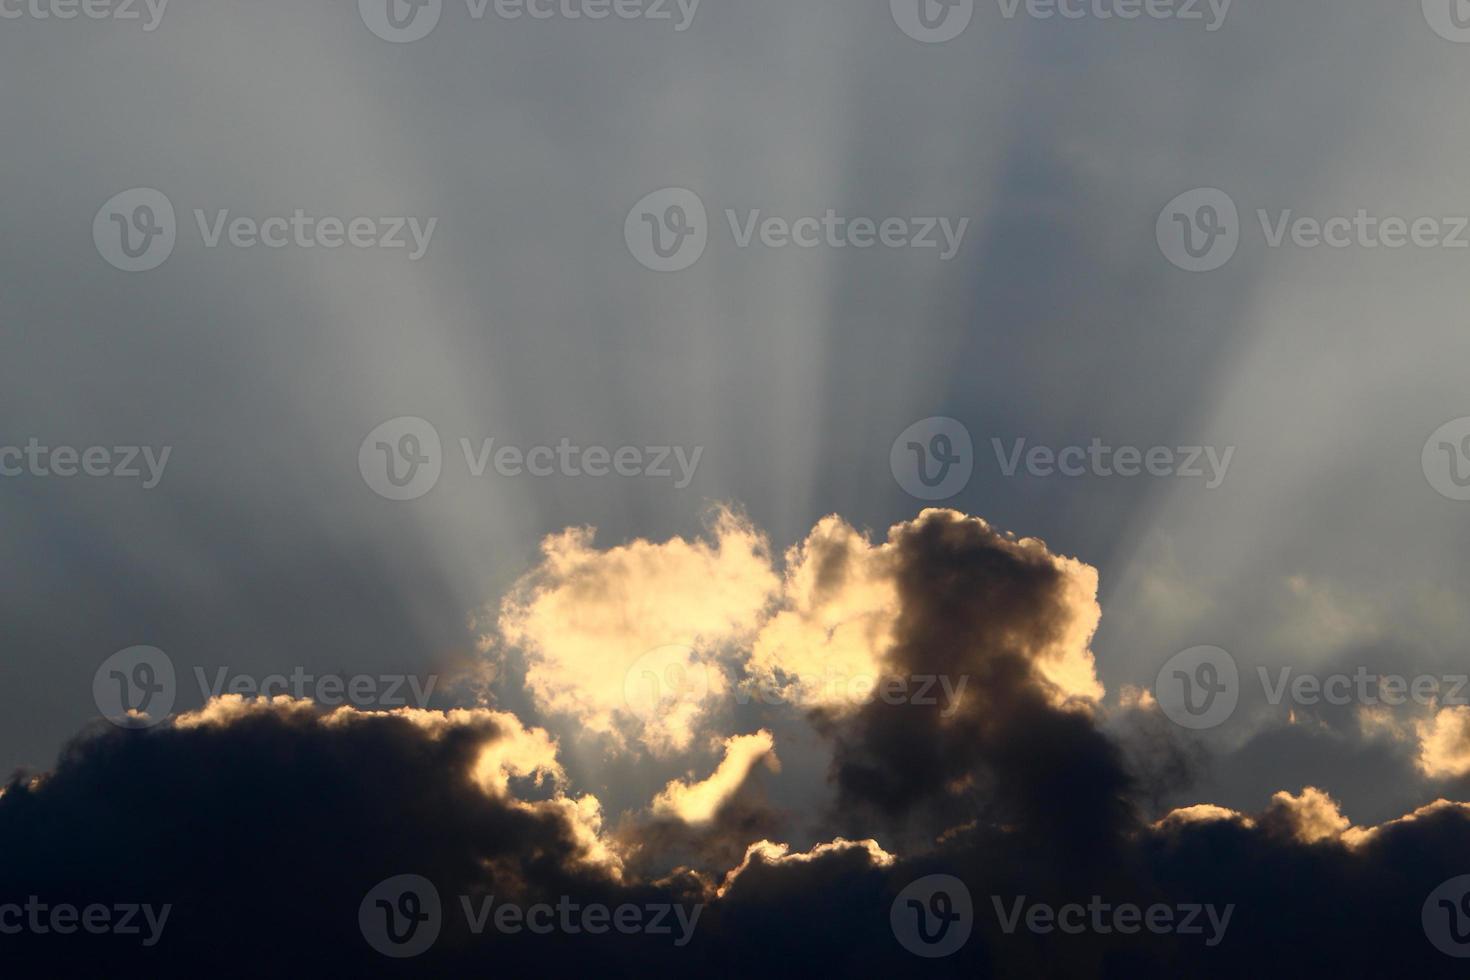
{"x":653,"y":406}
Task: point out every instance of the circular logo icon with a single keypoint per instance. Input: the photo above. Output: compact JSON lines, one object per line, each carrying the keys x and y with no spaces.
{"x":135,"y":688}
{"x":135,"y":231}
{"x":1449,"y":18}
{"x":933,"y":459}
{"x":401,"y":917}
{"x":663,"y":679}
{"x":668,"y":230}
{"x":401,"y":459}
{"x":1446,"y":917}
{"x":1199,"y":230}
{"x":400,"y":21}
{"x":932,"y":917}
{"x":1199,"y":688}
{"x":1447,"y":459}
{"x":932,"y":21}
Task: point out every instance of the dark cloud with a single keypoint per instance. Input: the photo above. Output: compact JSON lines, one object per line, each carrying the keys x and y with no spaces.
{"x":265,"y":835}
{"x":265,"y":828}
{"x":978,"y":605}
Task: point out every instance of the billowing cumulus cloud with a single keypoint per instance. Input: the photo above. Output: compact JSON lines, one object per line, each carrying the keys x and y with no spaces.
{"x":1020,"y":784}
{"x":826,"y":646}
{"x":585,"y":618}
{"x":1310,"y":816}
{"x":833,"y":641}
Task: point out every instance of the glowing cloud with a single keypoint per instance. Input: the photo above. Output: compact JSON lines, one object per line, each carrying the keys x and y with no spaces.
{"x":1444,"y":743}
{"x":697,"y":803}
{"x":585,"y":617}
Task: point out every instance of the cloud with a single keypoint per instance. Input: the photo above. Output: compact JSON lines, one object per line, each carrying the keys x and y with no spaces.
{"x":697,"y":803}
{"x":1444,"y":743}
{"x":280,"y":812}
{"x":585,"y":617}
{"x":1310,"y":817}
{"x":827,"y":645}
{"x":1014,"y":621}
{"x":833,"y":640}
{"x":768,"y":854}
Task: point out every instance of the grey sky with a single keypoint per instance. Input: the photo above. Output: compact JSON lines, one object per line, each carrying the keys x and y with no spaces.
{"x":528,"y":321}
